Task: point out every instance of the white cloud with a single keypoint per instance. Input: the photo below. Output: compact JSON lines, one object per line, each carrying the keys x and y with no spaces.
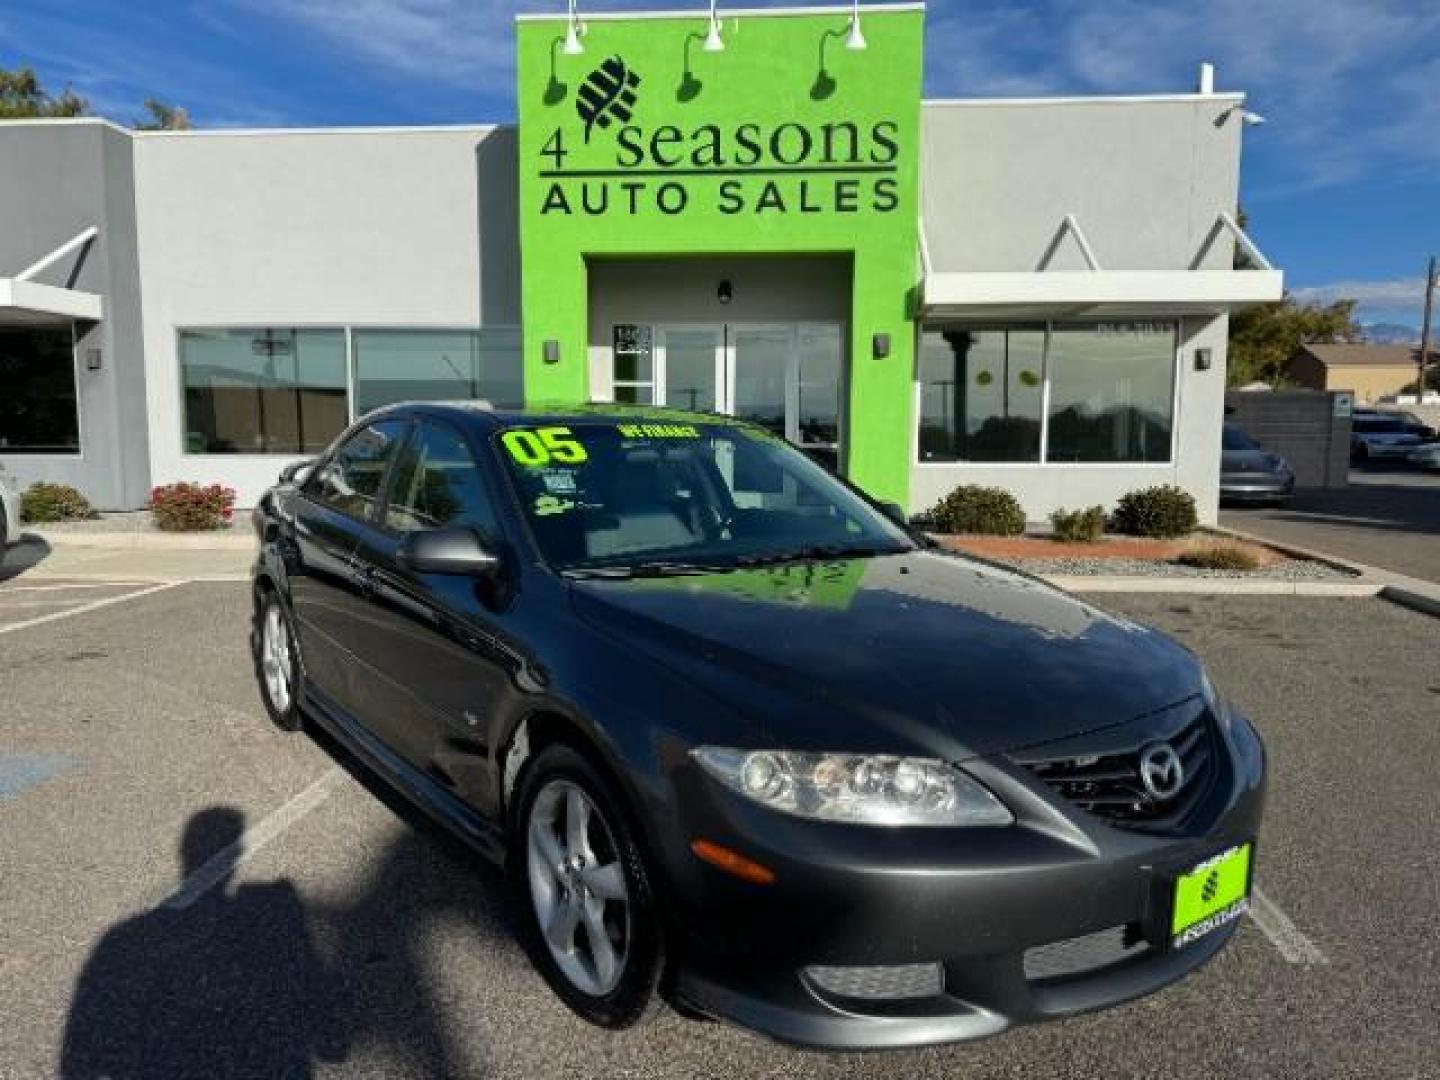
{"x":1389,"y":295}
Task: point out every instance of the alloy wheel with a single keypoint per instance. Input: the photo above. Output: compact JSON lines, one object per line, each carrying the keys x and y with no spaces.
{"x":577,"y":885}
{"x":276,"y":664}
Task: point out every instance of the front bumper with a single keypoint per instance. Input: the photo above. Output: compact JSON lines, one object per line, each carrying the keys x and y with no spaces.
{"x":981,"y":904}
{"x":1256,"y":488}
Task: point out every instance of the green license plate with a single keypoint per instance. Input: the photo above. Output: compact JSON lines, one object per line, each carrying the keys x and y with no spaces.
{"x":1211,"y":895}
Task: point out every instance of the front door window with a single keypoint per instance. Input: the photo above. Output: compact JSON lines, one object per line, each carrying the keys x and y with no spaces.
{"x":787,"y":377}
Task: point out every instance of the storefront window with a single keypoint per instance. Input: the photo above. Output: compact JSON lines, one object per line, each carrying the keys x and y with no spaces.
{"x":981,"y":394}
{"x":271,"y":391}
{"x":38,"y":413}
{"x":1112,"y":391}
{"x":437,"y":365}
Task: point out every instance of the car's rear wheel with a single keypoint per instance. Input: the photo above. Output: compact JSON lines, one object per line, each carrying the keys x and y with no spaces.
{"x":277,"y":662}
{"x":588,"y":908}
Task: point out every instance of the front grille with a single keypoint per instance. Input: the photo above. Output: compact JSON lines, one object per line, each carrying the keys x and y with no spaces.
{"x":1082,"y":955}
{"x":1110,"y":787}
{"x":893,"y":982}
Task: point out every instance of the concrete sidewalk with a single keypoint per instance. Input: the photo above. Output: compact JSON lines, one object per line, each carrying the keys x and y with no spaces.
{"x":68,"y":557}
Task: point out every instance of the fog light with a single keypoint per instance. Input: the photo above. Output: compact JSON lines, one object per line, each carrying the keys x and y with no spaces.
{"x":890,"y":982}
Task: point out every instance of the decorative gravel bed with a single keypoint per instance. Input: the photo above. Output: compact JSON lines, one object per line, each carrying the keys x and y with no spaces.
{"x":1288,"y":570}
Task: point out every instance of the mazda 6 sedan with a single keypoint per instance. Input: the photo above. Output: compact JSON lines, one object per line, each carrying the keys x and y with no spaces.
{"x":743,"y":741}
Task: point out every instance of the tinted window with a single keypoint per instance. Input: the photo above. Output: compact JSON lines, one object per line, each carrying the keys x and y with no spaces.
{"x":437,"y":484}
{"x":1111,"y":392}
{"x":351,"y":480}
{"x":1379,"y":427}
{"x":37,"y":391}
{"x":981,"y":394}
{"x":437,"y":365}
{"x":268,"y":391}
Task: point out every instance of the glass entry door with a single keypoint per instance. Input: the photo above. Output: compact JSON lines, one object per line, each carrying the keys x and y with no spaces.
{"x":788,"y":377}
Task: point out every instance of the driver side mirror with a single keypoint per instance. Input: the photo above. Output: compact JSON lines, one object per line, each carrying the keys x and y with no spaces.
{"x":297,"y":472}
{"x":447,"y":551}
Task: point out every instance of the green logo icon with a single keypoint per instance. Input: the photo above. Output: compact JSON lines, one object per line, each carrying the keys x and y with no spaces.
{"x":608,"y":93}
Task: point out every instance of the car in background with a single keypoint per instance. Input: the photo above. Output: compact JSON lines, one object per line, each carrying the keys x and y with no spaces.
{"x":1381,"y":437}
{"x":1426,"y":456}
{"x":1412,"y":423}
{"x":9,"y":516}
{"x":1250,"y":473}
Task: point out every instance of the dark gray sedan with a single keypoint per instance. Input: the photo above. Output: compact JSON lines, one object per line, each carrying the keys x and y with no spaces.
{"x":1250,"y":473}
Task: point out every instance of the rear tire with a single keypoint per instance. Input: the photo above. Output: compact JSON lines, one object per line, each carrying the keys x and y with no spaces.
{"x":586,"y":904}
{"x":277,"y":662}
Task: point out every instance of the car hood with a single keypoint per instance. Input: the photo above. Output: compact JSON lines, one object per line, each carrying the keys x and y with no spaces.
{"x":917,"y":653}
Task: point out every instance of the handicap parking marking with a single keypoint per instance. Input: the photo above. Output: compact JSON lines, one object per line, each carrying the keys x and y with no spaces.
{"x":20,"y":772}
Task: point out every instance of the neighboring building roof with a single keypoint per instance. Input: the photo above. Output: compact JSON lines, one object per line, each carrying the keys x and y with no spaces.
{"x":1368,"y":355}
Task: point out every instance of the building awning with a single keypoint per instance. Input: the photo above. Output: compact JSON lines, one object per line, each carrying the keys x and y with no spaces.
{"x":24,"y":301}
{"x":27,"y":303}
{"x":1097,"y":293}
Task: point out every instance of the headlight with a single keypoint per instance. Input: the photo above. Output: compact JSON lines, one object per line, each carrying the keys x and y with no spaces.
{"x":861,"y":789}
{"x":1213,"y":700}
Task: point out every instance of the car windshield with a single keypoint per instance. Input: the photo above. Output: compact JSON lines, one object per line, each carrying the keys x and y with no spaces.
{"x":661,"y":495}
{"x":1235,"y":441}
{"x":1380,"y":427}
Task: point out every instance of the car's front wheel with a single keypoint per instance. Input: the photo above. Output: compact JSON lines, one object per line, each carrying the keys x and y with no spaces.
{"x":589,"y":910}
{"x":277,"y":662}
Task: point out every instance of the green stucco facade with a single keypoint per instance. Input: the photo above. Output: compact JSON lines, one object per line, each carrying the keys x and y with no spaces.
{"x":786,"y":142}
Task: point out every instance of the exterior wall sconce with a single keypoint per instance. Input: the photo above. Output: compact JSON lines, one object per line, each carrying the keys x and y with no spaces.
{"x":92,"y":359}
{"x":551,"y":351}
{"x":880,"y":346}
{"x":1202,"y":359}
{"x":725,"y":292}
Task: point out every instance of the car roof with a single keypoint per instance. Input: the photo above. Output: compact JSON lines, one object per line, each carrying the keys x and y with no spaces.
{"x":487,"y":417}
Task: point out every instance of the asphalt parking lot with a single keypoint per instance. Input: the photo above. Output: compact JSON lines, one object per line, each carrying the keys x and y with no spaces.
{"x":142,"y":936}
{"x":1387,"y":517}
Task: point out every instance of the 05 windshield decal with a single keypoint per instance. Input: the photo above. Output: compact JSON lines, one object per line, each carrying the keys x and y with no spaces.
{"x":537,"y":447}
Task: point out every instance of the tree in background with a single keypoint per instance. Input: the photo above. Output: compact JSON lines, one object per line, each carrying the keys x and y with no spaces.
{"x":1264,"y":338}
{"x":22,"y":98}
{"x":162,"y":117}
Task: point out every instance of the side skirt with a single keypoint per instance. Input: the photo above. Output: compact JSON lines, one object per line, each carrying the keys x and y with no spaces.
{"x":473,"y":829}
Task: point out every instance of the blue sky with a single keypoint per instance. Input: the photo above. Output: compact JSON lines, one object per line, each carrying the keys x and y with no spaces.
{"x":1342,"y":184}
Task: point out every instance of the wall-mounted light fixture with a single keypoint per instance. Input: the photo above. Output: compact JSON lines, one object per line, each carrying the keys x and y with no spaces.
{"x":880,"y":346}
{"x":573,"y":45}
{"x":551,"y":351}
{"x":93,"y":359}
{"x":725,"y":292}
{"x":1203,"y":359}
{"x":855,"y":40}
{"x":713,"y":41}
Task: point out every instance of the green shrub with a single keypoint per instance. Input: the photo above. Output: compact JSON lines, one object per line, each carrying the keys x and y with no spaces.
{"x":971,"y":508}
{"x":1078,"y":526}
{"x":54,"y":502}
{"x":1220,"y":557}
{"x":1164,"y":511}
{"x":192,"y":507}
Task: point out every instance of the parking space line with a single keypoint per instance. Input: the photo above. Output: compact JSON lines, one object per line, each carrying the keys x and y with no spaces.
{"x":1294,"y":946}
{"x":72,"y":585}
{"x":234,"y":855}
{"x":94,"y":605}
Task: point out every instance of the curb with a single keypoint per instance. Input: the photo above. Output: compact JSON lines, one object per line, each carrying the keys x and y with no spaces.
{"x":147,"y":541}
{"x":1360,"y":587}
{"x":1295,"y":551}
{"x":1406,"y":598}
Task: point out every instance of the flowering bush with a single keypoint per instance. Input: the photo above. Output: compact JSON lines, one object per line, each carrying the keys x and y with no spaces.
{"x":192,"y":507}
{"x":54,"y":502}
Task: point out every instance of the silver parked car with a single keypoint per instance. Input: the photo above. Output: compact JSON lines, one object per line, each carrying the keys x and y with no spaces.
{"x":1375,"y":437}
{"x":1426,"y":456}
{"x":9,"y":515}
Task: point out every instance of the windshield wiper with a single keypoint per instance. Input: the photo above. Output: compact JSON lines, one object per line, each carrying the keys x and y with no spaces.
{"x":813,"y":553}
{"x":625,"y":571}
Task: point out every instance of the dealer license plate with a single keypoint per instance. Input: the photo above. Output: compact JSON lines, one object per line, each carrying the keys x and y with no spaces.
{"x":1211,"y":895}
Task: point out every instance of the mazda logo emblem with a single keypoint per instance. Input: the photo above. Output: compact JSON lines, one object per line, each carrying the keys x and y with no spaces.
{"x":1161,"y":771}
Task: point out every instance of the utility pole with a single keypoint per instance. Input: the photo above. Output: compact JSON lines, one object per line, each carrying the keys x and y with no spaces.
{"x":1432,"y":279}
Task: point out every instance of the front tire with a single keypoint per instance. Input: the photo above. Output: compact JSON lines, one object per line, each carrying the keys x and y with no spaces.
{"x":277,"y":662}
{"x":587,"y":906}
